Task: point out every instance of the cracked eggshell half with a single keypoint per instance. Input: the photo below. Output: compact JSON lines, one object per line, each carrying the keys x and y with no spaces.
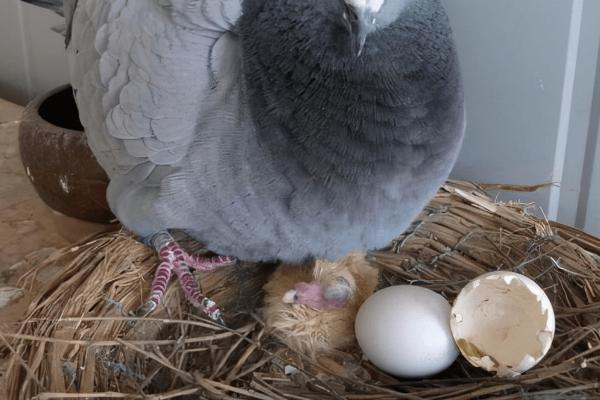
{"x":503,"y":322}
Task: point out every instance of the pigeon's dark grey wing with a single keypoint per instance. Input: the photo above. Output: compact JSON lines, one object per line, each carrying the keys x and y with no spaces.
{"x":54,"y":5}
{"x":68,"y":11}
{"x":143,"y":72}
{"x":61,"y":7}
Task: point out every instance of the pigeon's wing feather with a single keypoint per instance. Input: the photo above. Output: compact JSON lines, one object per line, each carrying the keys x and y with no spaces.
{"x":54,"y":5}
{"x":145,"y":75}
{"x":68,"y":11}
{"x":63,"y":8}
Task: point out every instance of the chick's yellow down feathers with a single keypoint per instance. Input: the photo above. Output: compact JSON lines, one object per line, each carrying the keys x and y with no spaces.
{"x":312,"y":331}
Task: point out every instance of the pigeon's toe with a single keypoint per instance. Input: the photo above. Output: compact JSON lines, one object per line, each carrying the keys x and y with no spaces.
{"x":145,"y":309}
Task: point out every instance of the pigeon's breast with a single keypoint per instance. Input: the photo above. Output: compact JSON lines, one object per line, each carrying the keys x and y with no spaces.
{"x":344,"y":152}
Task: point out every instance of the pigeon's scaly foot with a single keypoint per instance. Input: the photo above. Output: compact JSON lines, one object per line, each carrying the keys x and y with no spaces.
{"x":173,"y":258}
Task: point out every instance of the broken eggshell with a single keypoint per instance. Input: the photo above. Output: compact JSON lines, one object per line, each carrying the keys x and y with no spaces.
{"x":503,"y":322}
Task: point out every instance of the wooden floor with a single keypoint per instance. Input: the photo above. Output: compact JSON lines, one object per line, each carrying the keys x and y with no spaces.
{"x":27,"y":225}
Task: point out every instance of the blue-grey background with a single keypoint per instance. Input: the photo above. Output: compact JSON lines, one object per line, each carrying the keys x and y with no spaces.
{"x":532,"y":77}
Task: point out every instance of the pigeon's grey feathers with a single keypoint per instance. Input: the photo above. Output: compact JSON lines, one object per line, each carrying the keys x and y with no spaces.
{"x":254,"y":125}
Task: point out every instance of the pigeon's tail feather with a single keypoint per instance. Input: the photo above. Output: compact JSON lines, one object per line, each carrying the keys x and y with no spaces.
{"x":54,"y":5}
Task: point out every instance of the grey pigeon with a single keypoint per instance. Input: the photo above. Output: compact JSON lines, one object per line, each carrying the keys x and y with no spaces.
{"x":266,"y":129}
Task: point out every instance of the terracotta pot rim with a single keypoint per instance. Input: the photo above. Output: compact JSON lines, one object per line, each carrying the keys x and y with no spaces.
{"x":32,"y":112}
{"x":59,"y":163}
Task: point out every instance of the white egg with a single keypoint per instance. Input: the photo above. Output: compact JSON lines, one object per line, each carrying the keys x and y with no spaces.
{"x":405,"y":331}
{"x":503,"y":322}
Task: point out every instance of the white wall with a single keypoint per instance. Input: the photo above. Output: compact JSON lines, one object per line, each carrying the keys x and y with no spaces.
{"x":32,"y":58}
{"x":575,"y":207}
{"x":513,"y":60}
{"x":532,"y":79}
{"x":589,"y":209}
{"x":530,"y":69}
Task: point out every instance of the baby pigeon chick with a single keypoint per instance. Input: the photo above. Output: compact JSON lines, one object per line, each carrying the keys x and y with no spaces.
{"x":312,"y":308}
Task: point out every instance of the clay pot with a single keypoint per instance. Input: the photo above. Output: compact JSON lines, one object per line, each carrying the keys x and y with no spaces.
{"x":58,"y":161}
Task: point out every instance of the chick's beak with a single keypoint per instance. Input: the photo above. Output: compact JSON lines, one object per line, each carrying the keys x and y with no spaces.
{"x":334,"y":295}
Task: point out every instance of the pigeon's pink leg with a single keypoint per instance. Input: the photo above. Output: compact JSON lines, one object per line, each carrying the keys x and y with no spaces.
{"x":160,"y":282}
{"x":173,"y":258}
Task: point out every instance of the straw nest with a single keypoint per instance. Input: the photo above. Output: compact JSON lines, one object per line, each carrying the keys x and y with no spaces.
{"x":78,"y":341}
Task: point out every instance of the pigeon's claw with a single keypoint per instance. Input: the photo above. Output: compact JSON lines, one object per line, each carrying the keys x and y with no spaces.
{"x":193,"y":294}
{"x":173,"y":258}
{"x":145,"y":309}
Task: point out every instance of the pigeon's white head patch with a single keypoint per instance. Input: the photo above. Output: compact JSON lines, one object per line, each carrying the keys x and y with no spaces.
{"x":371,"y":6}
